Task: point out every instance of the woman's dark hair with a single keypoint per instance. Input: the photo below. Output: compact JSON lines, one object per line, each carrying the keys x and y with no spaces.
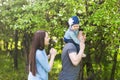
{"x":37,"y":43}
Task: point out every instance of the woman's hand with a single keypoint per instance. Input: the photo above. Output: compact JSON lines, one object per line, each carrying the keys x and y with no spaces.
{"x":48,"y":56}
{"x":53,"y":52}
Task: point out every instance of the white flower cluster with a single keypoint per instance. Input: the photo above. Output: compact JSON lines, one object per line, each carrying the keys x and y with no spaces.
{"x":70,"y":21}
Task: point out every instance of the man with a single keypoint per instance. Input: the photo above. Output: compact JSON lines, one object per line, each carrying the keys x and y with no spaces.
{"x":71,"y":59}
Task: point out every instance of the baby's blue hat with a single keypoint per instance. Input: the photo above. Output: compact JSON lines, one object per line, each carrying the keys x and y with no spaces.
{"x":73,"y":20}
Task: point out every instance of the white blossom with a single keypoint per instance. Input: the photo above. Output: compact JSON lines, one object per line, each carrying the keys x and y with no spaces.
{"x":70,"y":21}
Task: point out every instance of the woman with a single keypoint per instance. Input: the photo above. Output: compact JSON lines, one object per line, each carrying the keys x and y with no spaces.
{"x":38,"y":59}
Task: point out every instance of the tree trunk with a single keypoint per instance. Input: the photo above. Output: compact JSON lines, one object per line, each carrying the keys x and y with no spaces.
{"x":61,"y":40}
{"x":26,"y":49}
{"x":80,"y":77}
{"x":90,"y":71}
{"x":16,"y":50}
{"x":114,"y":66}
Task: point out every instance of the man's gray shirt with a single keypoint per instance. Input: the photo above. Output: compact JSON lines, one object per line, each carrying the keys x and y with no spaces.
{"x":69,"y":71}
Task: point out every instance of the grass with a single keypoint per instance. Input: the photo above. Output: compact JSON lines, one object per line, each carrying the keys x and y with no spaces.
{"x":7,"y":71}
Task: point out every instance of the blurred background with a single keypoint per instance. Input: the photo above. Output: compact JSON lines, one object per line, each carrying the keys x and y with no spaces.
{"x":100,"y":20}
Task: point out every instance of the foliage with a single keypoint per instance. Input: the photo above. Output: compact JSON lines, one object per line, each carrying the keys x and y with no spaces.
{"x":100,"y":20}
{"x":7,"y":72}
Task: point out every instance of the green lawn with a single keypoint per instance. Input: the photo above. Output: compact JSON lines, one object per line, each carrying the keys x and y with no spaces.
{"x":7,"y":71}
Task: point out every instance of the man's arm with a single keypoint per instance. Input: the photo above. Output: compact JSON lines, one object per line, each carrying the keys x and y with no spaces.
{"x":76,"y":58}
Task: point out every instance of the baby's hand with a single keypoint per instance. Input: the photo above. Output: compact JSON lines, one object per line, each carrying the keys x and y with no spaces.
{"x":83,"y":55}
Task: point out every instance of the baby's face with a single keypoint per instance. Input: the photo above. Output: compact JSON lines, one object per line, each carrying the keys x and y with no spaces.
{"x":75,"y":27}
